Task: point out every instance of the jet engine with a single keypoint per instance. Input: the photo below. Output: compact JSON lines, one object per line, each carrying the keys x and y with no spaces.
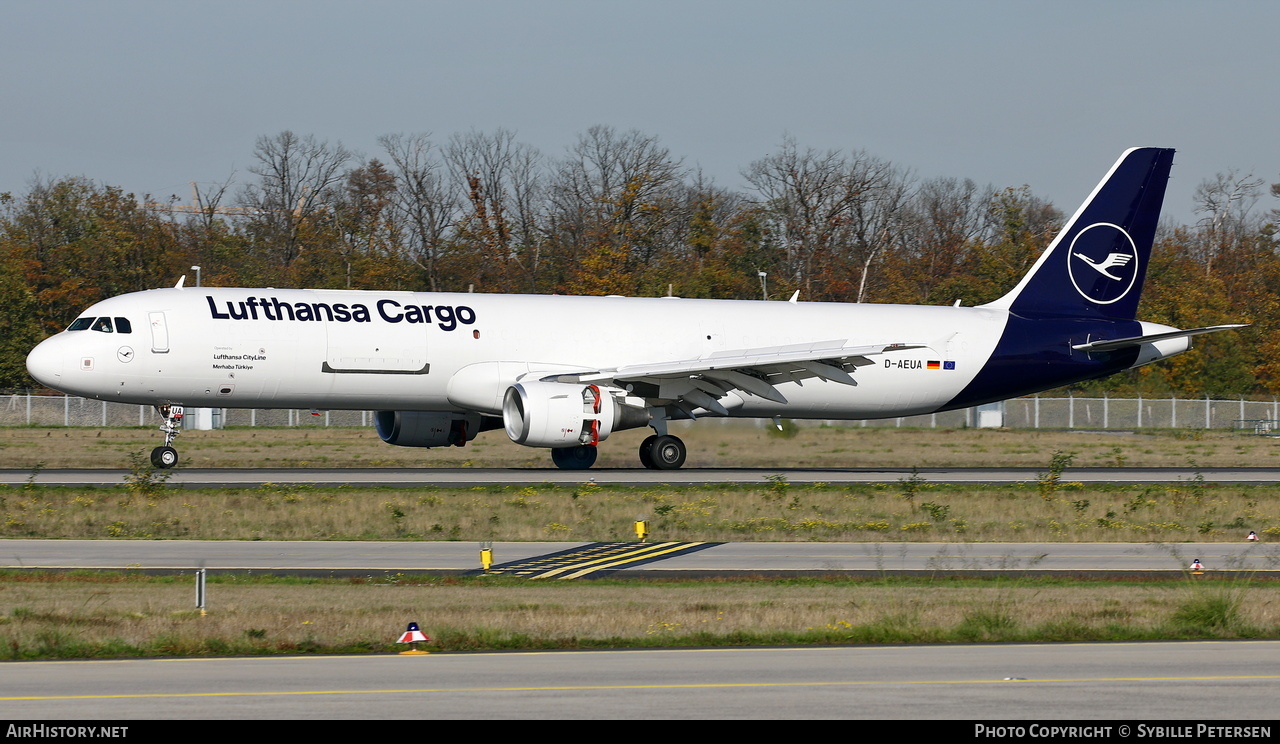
{"x":426,"y":428}
{"x":559,"y":414}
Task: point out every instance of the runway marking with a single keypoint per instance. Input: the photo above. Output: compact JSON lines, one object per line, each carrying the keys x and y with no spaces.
{"x":577,"y":562}
{"x":703,"y":686}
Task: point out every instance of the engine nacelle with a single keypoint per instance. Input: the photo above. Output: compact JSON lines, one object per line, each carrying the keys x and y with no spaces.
{"x":426,"y":428}
{"x":560,"y":414}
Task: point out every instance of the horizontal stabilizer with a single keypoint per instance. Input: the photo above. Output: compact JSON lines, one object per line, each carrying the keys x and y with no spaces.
{"x":1124,"y":343}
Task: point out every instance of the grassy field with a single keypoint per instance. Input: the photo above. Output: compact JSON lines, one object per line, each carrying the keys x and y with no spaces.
{"x":66,"y":616}
{"x":773,"y":511}
{"x":904,"y":508}
{"x":711,"y":444}
{"x":61,"y":616}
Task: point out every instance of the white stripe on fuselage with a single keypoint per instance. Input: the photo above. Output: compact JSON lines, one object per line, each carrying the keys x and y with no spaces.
{"x":272,"y":361}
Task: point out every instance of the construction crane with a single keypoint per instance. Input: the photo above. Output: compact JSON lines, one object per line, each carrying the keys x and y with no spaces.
{"x":197,"y":206}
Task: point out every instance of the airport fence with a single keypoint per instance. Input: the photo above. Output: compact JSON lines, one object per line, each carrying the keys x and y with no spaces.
{"x":1022,"y":413}
{"x":69,"y":410}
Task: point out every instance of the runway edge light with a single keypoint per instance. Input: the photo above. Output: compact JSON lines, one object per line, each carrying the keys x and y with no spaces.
{"x":413,"y":636}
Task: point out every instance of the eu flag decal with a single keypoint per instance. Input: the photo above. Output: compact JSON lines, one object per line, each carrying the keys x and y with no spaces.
{"x":949,"y":365}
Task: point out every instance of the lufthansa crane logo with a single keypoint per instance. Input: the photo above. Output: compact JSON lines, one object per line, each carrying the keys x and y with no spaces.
{"x":1103,"y":263}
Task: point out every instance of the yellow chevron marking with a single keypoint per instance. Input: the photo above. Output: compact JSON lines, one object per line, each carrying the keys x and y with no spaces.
{"x":615,"y":559}
{"x":678,"y":547}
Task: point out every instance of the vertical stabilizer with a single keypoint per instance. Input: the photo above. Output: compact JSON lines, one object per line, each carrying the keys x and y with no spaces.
{"x":1096,"y":265}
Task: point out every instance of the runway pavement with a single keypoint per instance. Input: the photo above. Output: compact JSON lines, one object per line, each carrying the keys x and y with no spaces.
{"x":1128,"y":684}
{"x":245,"y":477}
{"x":329,"y":558}
{"x":1134,"y":683}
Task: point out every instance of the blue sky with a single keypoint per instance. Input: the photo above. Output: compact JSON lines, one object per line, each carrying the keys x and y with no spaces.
{"x":151,"y":95}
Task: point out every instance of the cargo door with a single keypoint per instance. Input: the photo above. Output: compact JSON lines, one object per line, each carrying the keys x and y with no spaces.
{"x":355,"y":348}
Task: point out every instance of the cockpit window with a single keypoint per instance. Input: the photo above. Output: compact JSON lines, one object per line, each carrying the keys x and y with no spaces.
{"x":103,"y":325}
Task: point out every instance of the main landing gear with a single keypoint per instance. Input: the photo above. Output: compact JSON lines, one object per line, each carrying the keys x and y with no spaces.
{"x":662,"y":452}
{"x":658,"y":452}
{"x":165,"y":456}
{"x":574,"y":458}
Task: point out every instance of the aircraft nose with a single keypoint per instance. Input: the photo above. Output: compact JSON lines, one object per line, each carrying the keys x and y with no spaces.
{"x":44,"y":363}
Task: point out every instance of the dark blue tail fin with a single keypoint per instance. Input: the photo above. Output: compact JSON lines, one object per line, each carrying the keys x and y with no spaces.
{"x":1096,"y":265}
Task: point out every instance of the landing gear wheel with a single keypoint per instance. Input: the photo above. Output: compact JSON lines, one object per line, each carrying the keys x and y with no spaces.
{"x":574,"y":458}
{"x":164,"y":457}
{"x":667,"y":453}
{"x":646,"y":451}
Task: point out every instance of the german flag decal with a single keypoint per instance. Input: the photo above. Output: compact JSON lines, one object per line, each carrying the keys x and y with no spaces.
{"x":934,"y":364}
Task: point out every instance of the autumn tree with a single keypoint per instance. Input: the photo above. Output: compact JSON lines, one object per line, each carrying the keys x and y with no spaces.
{"x":800,"y":193}
{"x":610,"y":200}
{"x":727,"y":245}
{"x":619,"y":214}
{"x":425,"y":204}
{"x":499,"y":237}
{"x":1017,"y":227}
{"x":369,"y":240}
{"x":76,"y":243}
{"x":878,"y":195}
{"x":833,"y":214}
{"x":19,"y":326}
{"x":940,"y":231}
{"x":295,"y":180}
{"x":213,"y":239}
{"x":1227,"y":202}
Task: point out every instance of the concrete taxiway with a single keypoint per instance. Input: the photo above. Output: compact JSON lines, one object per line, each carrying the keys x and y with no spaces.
{"x":1130,"y":683}
{"x":331,"y":558}
{"x":248,"y":477}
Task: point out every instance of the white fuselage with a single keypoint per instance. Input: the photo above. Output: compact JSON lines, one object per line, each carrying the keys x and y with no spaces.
{"x":563,"y":372}
{"x":329,"y":349}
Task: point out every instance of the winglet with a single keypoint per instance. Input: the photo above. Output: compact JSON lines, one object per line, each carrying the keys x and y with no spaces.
{"x":181,"y":280}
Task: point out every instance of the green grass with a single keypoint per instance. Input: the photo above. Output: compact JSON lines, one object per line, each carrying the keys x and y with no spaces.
{"x":711,"y":444}
{"x":118,"y":615}
{"x":907,"y":510}
{"x":114,"y":615}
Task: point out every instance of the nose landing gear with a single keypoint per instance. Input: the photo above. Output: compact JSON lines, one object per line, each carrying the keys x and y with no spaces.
{"x":165,"y":456}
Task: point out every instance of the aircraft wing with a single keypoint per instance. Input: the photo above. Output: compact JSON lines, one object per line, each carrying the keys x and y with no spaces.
{"x":699,"y":383}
